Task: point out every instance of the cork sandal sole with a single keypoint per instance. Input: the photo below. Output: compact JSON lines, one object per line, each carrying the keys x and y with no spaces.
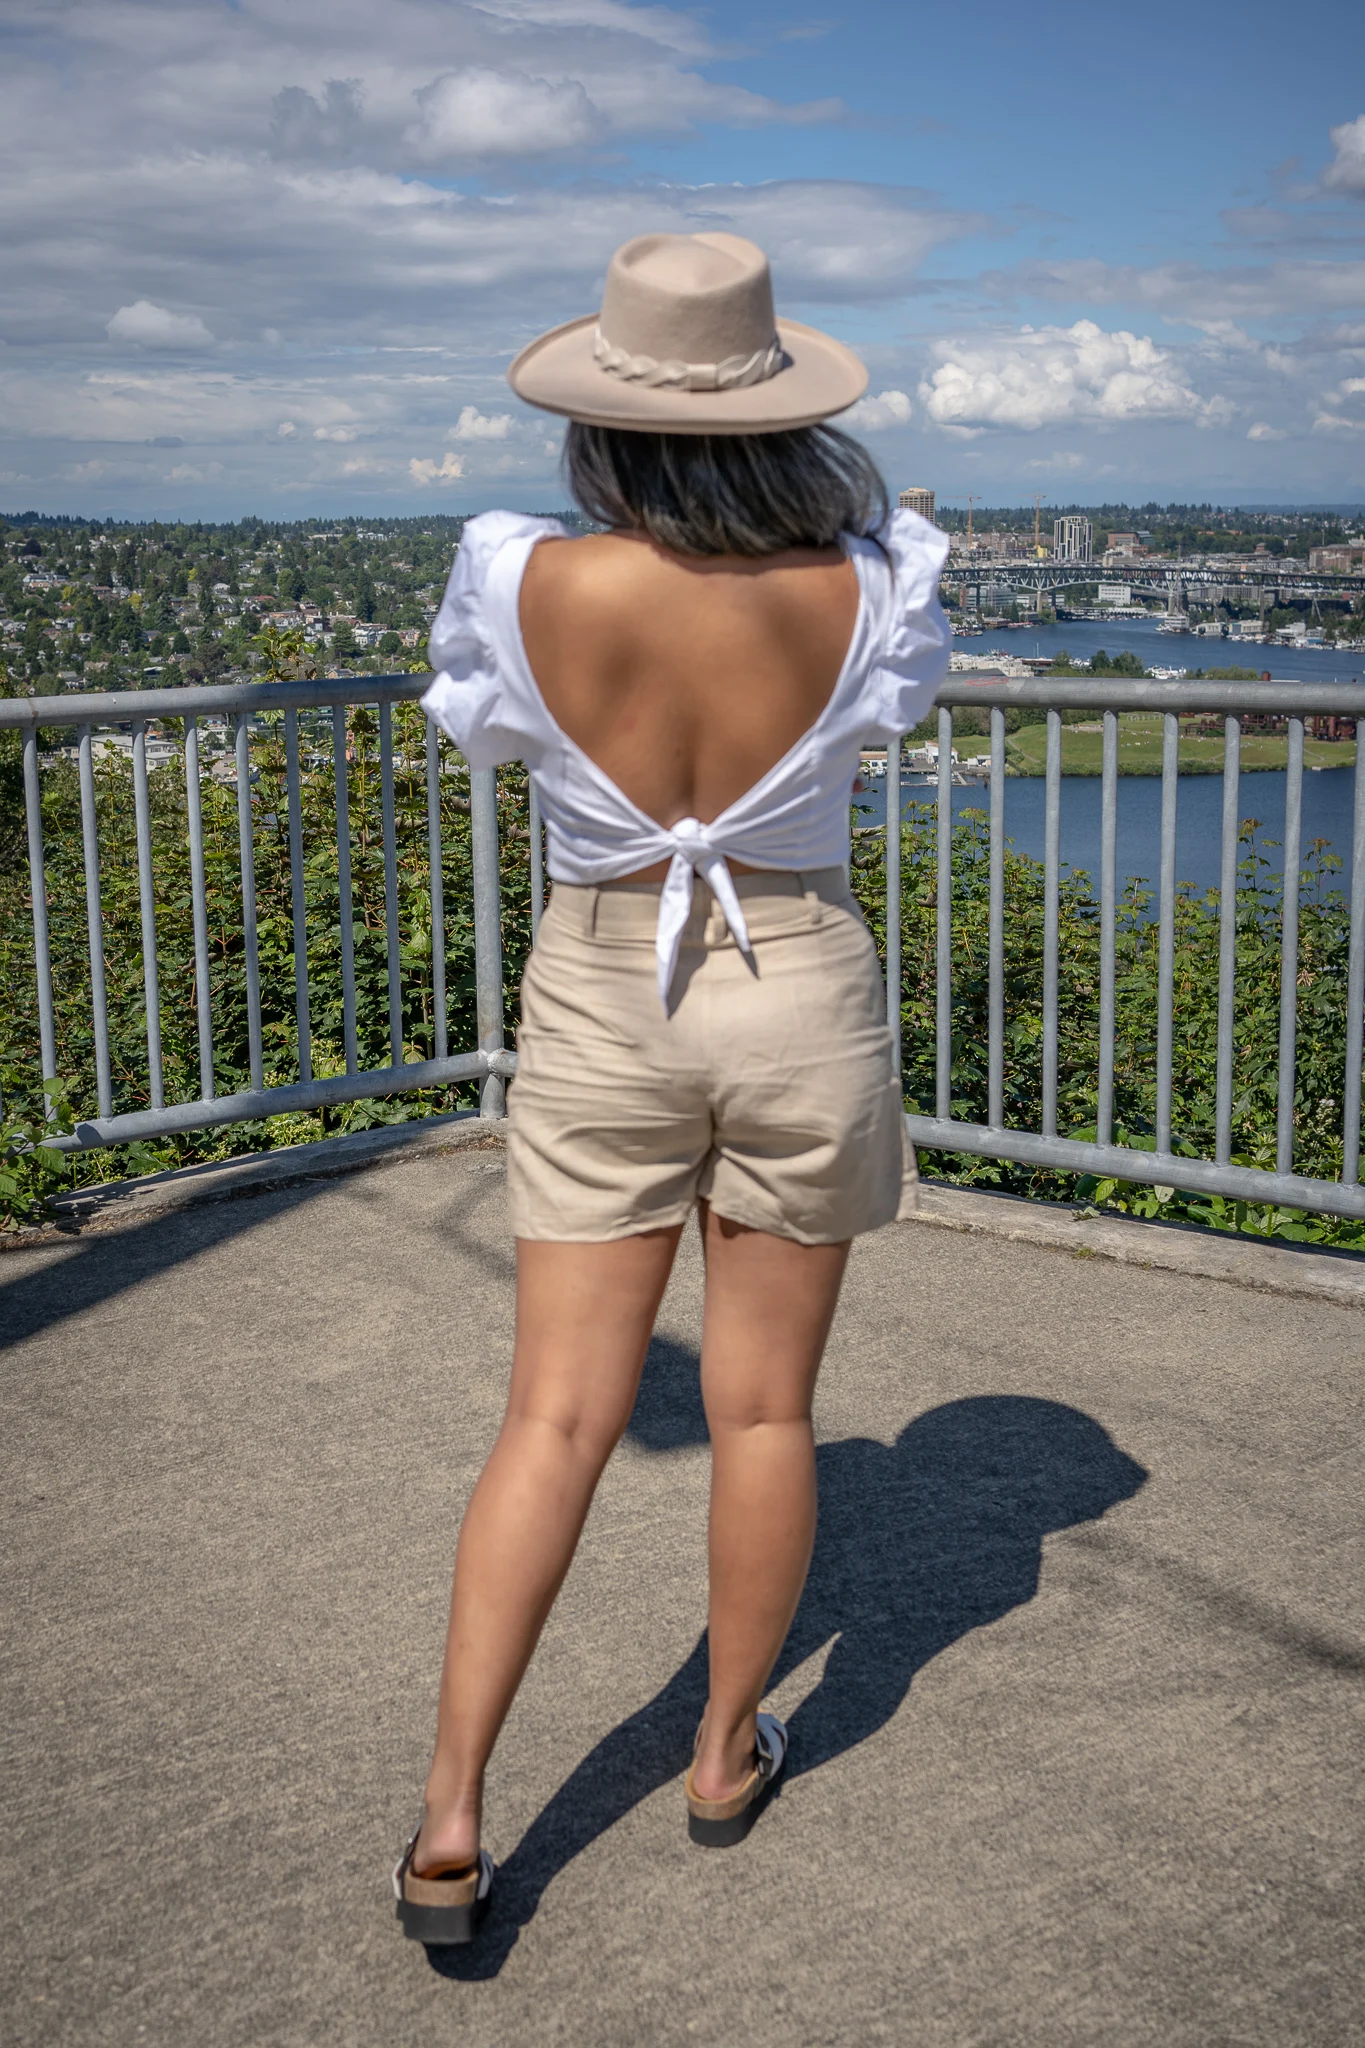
{"x":723,"y":1823}
{"x":443,"y":1911}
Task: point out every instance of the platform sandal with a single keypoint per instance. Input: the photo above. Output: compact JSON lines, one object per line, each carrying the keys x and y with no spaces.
{"x":720,"y":1823}
{"x":442,"y":1909}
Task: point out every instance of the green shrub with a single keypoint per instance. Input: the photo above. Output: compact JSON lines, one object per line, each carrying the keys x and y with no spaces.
{"x":1324,"y":932}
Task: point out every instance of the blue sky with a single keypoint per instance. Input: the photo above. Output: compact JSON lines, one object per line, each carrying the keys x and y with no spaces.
{"x":274,"y":256}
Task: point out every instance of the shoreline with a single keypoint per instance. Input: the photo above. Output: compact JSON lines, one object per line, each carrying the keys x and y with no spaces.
{"x":1013,"y":774}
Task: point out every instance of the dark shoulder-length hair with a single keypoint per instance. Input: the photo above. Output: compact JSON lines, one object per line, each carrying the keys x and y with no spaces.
{"x":726,"y":494}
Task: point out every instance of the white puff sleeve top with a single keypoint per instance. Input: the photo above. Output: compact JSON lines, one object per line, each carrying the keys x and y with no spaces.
{"x":795,"y":817}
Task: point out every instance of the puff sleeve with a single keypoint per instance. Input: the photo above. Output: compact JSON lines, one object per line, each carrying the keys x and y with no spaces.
{"x":916,"y":633}
{"x":469,"y":698}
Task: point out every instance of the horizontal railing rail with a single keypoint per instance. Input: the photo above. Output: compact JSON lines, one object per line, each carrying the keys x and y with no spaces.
{"x":247,"y":706}
{"x":201,"y":700}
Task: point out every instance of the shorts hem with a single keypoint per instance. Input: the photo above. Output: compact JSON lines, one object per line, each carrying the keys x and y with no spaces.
{"x":669,"y":1220}
{"x":641,"y":1227}
{"x":793,"y":1234}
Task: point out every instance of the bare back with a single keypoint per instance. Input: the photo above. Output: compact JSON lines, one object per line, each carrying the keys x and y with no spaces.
{"x":685,"y":679}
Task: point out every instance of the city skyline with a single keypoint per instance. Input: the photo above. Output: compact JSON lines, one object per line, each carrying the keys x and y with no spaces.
{"x":274,"y":258}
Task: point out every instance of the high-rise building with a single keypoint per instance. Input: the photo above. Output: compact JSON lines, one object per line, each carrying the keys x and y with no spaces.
{"x":918,"y":500}
{"x":1071,"y":538}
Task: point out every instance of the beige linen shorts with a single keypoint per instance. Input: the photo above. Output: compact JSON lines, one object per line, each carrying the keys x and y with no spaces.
{"x":769,"y":1089}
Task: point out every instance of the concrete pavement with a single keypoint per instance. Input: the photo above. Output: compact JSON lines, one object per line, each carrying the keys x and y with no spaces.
{"x":1075,"y":1692}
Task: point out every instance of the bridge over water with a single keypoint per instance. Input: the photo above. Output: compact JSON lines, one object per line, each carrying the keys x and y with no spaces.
{"x":1257,"y":583}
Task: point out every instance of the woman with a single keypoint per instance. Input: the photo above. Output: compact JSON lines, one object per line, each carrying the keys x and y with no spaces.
{"x":703,"y":1020}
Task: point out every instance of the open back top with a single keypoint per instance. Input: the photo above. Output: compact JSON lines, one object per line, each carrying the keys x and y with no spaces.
{"x":795,"y":817}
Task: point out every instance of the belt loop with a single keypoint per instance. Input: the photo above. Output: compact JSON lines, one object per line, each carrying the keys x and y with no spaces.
{"x":808,"y":889}
{"x":592,"y":913}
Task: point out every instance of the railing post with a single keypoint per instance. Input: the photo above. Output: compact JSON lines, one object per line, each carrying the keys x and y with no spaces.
{"x":47,"y":1030}
{"x":943,"y":931}
{"x":483,"y":832}
{"x":893,"y":896}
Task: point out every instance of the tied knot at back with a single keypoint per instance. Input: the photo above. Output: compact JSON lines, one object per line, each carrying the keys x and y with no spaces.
{"x":693,"y":854}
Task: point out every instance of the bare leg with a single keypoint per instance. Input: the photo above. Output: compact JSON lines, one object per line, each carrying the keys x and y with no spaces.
{"x":769,"y":1305}
{"x":584,"y":1317}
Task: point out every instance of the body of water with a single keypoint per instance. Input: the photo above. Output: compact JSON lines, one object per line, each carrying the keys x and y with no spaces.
{"x":1155,"y":649}
{"x":1328,"y":797}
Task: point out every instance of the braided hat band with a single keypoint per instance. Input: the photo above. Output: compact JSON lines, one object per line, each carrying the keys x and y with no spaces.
{"x":733,"y":374}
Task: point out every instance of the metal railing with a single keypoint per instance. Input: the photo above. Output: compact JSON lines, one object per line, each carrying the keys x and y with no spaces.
{"x":491,"y":1063}
{"x":1045,"y":1147}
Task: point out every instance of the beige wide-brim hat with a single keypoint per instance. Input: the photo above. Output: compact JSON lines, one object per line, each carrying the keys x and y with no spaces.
{"x":687,"y":343}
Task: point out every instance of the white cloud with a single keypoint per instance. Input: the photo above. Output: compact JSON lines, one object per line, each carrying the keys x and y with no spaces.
{"x":1337,"y":423}
{"x":1197,"y":294}
{"x":1346,"y":172}
{"x":887,"y":409}
{"x":294,"y":170}
{"x":481,"y":113}
{"x":446,"y":471}
{"x":1051,"y":375}
{"x":473,"y":425}
{"x":1261,"y":430}
{"x":307,"y":127}
{"x":149,"y":326}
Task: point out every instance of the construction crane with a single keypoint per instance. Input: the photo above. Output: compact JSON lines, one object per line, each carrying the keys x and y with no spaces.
{"x":1040,"y":498}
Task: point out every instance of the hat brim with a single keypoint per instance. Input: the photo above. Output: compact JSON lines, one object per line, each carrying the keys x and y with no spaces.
{"x":558,"y":373}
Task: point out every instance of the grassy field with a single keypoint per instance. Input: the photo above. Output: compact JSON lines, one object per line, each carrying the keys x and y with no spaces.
{"x":1140,"y":749}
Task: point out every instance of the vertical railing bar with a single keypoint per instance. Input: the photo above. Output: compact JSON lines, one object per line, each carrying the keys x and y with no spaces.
{"x":37,"y":877}
{"x":434,"y":876}
{"x":1289,"y":950}
{"x":1355,"y":977}
{"x":893,"y":896}
{"x":298,"y":895}
{"x":995,"y":1112}
{"x":203,"y":995}
{"x":345,"y":904}
{"x":1052,"y":828}
{"x":537,"y":833}
{"x":247,"y":855}
{"x":1227,"y":940}
{"x":391,"y":942}
{"x":1165,"y":998}
{"x":483,"y":822}
{"x":94,"y":924}
{"x":943,"y":936}
{"x":146,"y":891}
{"x":1109,"y":810}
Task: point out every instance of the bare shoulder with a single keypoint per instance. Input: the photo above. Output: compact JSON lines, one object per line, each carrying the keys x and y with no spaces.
{"x":605,"y":568}
{"x":596,"y":566}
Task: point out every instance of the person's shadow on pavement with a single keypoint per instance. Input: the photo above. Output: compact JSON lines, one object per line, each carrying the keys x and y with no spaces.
{"x":918,"y":1543}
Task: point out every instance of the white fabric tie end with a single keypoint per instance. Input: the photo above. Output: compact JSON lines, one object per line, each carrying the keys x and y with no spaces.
{"x":693,"y":855}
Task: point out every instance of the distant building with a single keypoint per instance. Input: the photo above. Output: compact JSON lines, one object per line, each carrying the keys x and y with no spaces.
{"x":1116,"y":593}
{"x":1071,"y":537}
{"x":918,"y":500}
{"x":1337,"y":561}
